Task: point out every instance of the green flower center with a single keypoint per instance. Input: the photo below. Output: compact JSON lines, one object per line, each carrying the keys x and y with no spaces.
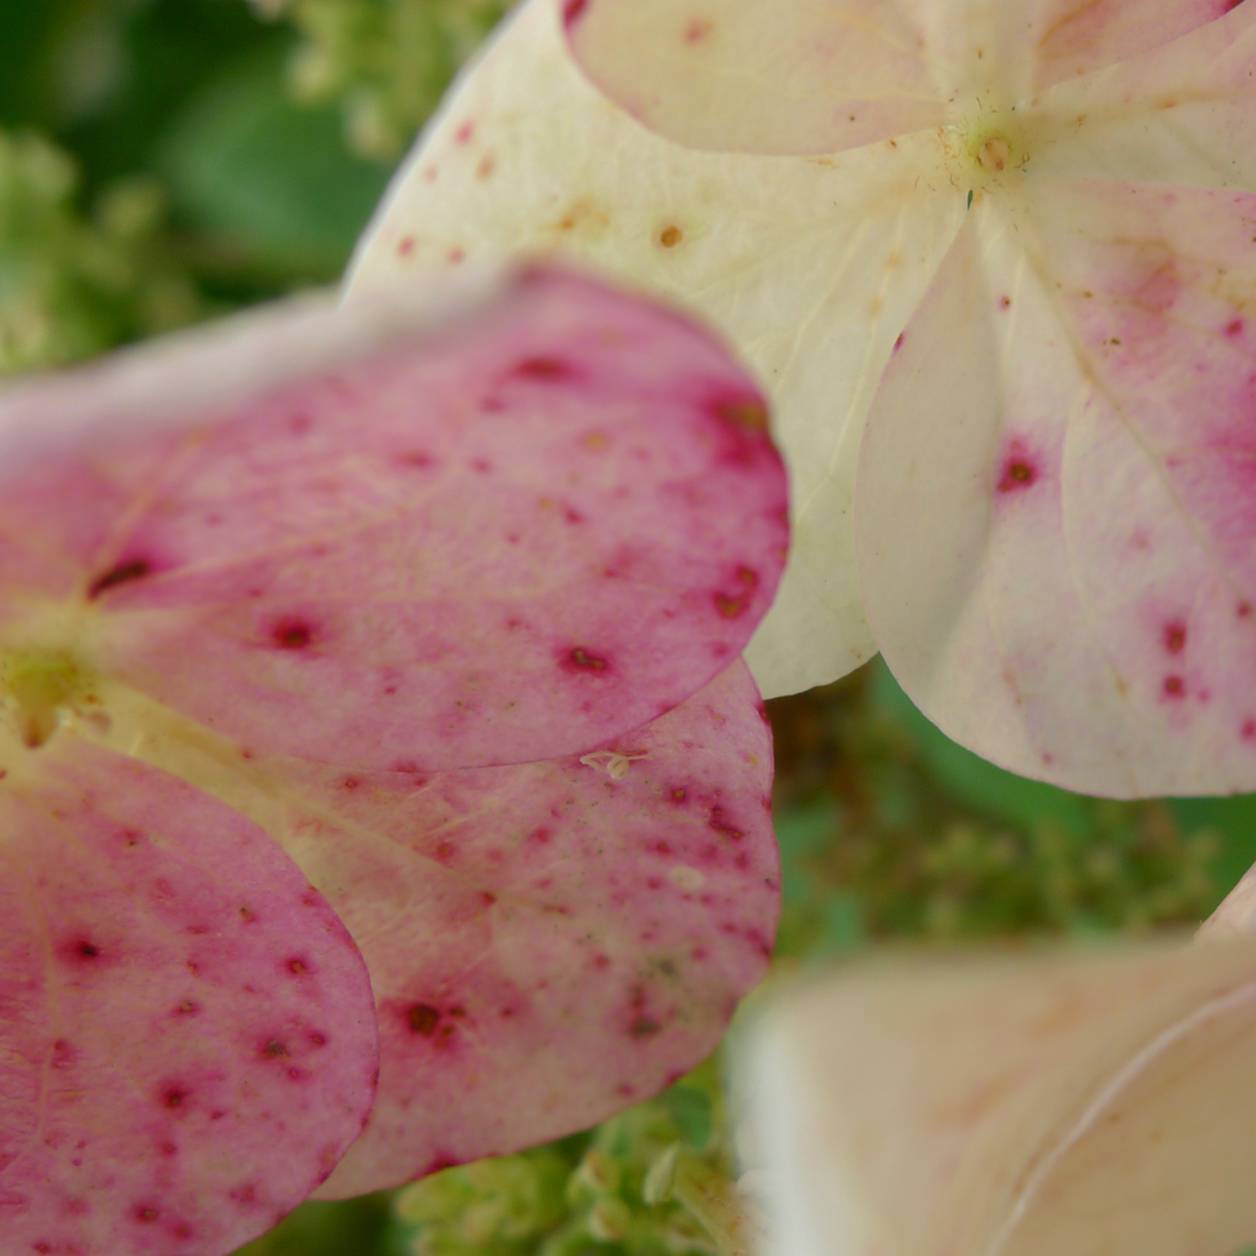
{"x":37,"y":689}
{"x":988,"y":150}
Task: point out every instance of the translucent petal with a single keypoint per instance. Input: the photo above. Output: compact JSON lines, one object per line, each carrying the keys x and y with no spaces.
{"x":1061,"y":1106}
{"x":1057,"y":493}
{"x":188,"y":1042}
{"x":548,"y":942}
{"x":494,"y":540}
{"x":1068,"y":38}
{"x":1185,"y":114}
{"x":810,"y":266}
{"x":797,"y":76}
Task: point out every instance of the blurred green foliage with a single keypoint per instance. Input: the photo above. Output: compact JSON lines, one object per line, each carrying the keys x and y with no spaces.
{"x":163,"y":160}
{"x":384,"y":62}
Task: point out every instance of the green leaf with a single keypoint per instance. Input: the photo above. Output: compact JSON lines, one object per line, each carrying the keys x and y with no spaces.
{"x":272,"y":176}
{"x":690,"y":1111}
{"x":973,"y":780}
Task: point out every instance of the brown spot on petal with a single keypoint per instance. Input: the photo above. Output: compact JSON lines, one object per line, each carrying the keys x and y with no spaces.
{"x":582,"y":660}
{"x":644,"y":1027}
{"x":423,"y":1019}
{"x":749,"y":411}
{"x":731,"y":607}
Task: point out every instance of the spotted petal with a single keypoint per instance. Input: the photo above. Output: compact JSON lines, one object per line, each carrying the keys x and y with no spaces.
{"x":1056,"y":510}
{"x":1062,"y":1106}
{"x":506,"y":534}
{"x":547,"y":942}
{"x":188,"y":1042}
{"x":811,"y":267}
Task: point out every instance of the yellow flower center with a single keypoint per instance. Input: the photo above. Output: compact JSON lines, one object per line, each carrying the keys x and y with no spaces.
{"x":38,"y":689}
{"x":993,"y":153}
{"x":987,"y":150}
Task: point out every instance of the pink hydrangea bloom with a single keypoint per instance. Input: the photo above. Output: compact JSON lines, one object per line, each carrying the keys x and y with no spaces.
{"x":379,"y":784}
{"x":995,"y":260}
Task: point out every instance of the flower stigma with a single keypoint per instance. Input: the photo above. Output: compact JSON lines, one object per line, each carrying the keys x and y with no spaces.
{"x":39,"y":689}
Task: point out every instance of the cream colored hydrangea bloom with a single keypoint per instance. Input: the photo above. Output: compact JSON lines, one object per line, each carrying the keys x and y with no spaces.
{"x":995,"y":263}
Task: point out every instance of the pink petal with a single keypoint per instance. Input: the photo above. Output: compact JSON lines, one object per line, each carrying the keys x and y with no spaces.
{"x":1057,"y":502}
{"x":548,"y":943}
{"x":187,"y":1043}
{"x":794,"y":76}
{"x":544,"y":522}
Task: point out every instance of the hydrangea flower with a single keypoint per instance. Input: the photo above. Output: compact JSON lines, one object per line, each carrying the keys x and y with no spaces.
{"x":1054,"y":1105}
{"x":379,"y":784}
{"x":995,"y":263}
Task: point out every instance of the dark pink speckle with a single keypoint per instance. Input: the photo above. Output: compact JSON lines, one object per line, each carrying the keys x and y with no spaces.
{"x":292,"y":634}
{"x":1175,"y":636}
{"x":1019,"y":472}
{"x":82,"y":950}
{"x":584,"y":661}
{"x":542,"y":367}
{"x":413,"y":458}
